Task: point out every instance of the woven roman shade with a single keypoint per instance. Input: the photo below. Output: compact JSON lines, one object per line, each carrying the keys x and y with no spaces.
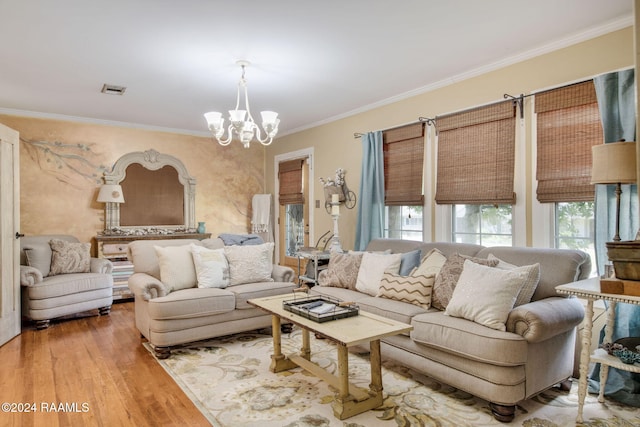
{"x":476,"y":155}
{"x":290,"y":177}
{"x":568,"y":125}
{"x":403,"y":151}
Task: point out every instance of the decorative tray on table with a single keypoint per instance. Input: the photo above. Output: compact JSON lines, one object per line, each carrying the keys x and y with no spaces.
{"x":321,"y":308}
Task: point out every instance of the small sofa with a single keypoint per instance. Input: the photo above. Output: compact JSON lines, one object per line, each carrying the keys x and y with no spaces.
{"x":168,"y":317}
{"x":47,"y":295}
{"x":535,"y":352}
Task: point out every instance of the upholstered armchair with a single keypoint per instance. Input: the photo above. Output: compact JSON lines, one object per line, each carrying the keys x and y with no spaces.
{"x":59,"y":278}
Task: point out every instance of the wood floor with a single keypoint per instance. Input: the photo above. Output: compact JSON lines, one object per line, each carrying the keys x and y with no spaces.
{"x":96,"y":368}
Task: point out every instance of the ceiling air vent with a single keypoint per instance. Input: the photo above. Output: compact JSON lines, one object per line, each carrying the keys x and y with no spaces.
{"x":113,"y":89}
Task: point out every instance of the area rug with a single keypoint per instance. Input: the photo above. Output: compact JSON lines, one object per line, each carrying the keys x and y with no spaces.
{"x":229,"y":380}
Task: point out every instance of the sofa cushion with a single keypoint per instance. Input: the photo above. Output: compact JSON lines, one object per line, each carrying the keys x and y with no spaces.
{"x":69,"y":284}
{"x":144,"y":257}
{"x":391,"y":309}
{"x":177,"y":270}
{"x":448,"y":277}
{"x":342,"y":271}
{"x":486,"y":295}
{"x":469,"y":339}
{"x":431,"y":263}
{"x":531,"y":283}
{"x":38,"y":255}
{"x":69,"y":257}
{"x":212,"y":268}
{"x":409,"y":261}
{"x":372,"y":268}
{"x":413,"y":289}
{"x":193,"y":302}
{"x":247,"y":291}
{"x":249,"y":264}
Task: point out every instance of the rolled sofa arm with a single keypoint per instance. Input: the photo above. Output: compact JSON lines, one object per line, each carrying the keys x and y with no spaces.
{"x":282,"y":274}
{"x":29,"y":276}
{"x":101,"y":265}
{"x":545,"y":318}
{"x":147,"y":287}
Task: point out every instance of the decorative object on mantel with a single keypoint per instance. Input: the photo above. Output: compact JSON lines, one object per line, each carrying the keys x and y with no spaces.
{"x":110,"y":194}
{"x":146,"y":231}
{"x":338,"y":186}
{"x":242,"y":123}
{"x":201,"y":228}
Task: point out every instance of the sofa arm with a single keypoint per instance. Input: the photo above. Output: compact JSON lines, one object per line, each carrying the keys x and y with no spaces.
{"x":30,"y":276}
{"x":147,"y":287}
{"x":545,"y":318}
{"x":101,"y":265}
{"x":282,"y":274}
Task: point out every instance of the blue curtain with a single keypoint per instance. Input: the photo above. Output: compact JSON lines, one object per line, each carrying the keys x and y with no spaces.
{"x":616,"y":102}
{"x":370,"y":224}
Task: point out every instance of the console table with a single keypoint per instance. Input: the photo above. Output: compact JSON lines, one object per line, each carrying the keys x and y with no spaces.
{"x":114,"y":248}
{"x":589,"y":290}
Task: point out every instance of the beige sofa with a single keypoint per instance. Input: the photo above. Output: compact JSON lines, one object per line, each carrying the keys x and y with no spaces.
{"x":167,"y":318}
{"x":48,"y":294}
{"x":536,"y":351}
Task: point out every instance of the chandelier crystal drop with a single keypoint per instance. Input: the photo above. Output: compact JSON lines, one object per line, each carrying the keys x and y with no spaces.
{"x":242,"y":124}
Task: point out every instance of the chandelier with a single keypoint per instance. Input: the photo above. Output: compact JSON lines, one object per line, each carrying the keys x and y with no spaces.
{"x":242,"y":124}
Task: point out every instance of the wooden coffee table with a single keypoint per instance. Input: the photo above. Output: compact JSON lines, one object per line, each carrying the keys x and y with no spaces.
{"x":361,"y":329}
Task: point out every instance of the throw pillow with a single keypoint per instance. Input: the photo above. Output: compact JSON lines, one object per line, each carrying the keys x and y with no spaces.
{"x":212,"y":268}
{"x":342,"y":271}
{"x":250,"y":264}
{"x":431,"y":263}
{"x":177,"y":270}
{"x":68,"y":257}
{"x":448,"y":277}
{"x":485,"y":295}
{"x":372,"y":268}
{"x":530,"y":285}
{"x":412,"y":289}
{"x":409,"y":261}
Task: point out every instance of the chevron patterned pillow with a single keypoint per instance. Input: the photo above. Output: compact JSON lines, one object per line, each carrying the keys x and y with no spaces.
{"x":412,"y":289}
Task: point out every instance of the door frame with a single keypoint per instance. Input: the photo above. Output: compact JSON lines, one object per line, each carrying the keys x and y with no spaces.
{"x":10,"y":310}
{"x":298,"y":154}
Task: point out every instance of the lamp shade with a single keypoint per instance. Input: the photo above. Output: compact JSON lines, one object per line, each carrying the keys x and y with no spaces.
{"x":110,"y":193}
{"x":614,"y":163}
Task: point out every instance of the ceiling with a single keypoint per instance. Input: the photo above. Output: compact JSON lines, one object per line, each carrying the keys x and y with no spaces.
{"x":311,"y":61}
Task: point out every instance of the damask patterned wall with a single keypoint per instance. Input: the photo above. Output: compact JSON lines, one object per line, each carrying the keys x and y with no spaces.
{"x":62,"y":164}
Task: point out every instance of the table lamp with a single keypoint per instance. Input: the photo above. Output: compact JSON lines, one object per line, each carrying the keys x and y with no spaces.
{"x":110,"y":194}
{"x":614,"y":163}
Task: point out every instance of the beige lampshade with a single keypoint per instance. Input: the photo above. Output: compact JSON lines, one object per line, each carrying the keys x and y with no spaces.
{"x":614,"y":163}
{"x":110,"y":193}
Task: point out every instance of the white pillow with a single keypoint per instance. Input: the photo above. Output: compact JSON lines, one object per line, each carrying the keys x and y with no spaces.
{"x":372,"y":267}
{"x":177,"y":270}
{"x":485,"y":295}
{"x":250,"y":264}
{"x":530,"y":285}
{"x":431,"y":263}
{"x":212,"y":268}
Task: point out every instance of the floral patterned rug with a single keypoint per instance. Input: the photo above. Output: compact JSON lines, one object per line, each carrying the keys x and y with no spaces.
{"x":229,"y":381}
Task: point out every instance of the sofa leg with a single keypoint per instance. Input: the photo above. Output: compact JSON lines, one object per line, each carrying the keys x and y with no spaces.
{"x":162,"y":352}
{"x":286,"y":328}
{"x":503,"y":413}
{"x":42,"y":324}
{"x":565,"y":385}
{"x":104,"y":311}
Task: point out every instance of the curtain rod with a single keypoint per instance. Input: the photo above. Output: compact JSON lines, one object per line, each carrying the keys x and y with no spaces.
{"x":427,"y":120}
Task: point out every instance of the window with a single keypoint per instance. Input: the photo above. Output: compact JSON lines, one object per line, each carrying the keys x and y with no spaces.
{"x":568,"y":125}
{"x":487,"y":225}
{"x":403,"y":222}
{"x":403,"y":151}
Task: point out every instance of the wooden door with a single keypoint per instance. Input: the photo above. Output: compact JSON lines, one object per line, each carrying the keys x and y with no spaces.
{"x":294,"y":225}
{"x":9,"y":227}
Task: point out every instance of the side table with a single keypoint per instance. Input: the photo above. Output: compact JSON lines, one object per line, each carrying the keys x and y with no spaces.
{"x":589,"y":289}
{"x":312,"y":256}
